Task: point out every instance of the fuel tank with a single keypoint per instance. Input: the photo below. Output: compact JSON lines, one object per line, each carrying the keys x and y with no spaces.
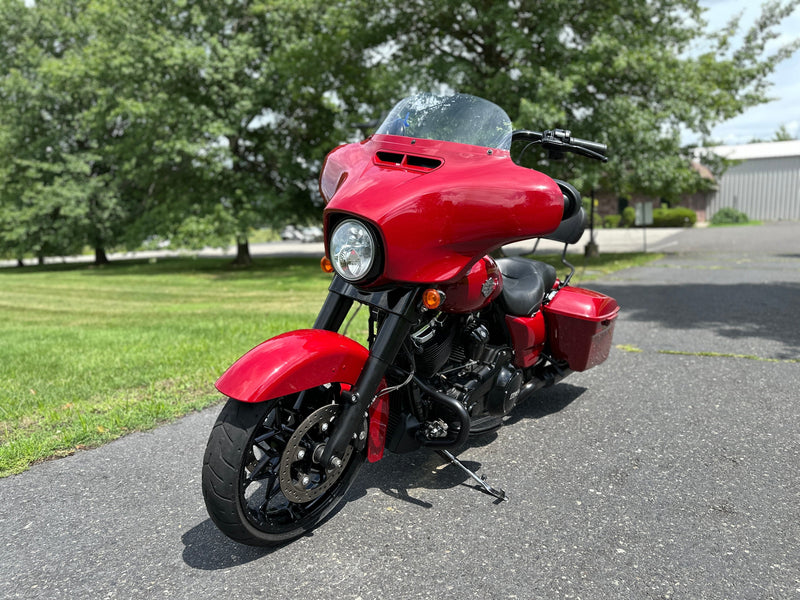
{"x":475,"y":290}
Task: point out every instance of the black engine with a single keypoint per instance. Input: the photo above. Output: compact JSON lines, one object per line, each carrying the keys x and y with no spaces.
{"x":454,"y":355}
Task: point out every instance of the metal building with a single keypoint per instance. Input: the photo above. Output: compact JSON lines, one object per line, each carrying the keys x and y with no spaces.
{"x":765,"y":185}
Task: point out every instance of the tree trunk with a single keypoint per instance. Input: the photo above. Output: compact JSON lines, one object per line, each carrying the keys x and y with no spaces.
{"x":20,"y":263}
{"x":100,"y":257}
{"x":243,"y":258}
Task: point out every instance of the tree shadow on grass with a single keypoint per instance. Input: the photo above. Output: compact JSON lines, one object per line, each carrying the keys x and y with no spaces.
{"x":222,"y":267}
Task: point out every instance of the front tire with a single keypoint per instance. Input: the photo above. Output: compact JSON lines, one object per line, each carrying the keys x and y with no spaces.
{"x":261,"y":483}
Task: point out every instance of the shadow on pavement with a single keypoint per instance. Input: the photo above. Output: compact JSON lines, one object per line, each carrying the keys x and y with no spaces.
{"x":207,"y":549}
{"x":396,"y":474}
{"x":736,"y":311}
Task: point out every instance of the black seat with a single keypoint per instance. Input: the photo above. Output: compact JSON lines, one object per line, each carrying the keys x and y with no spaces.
{"x":525,"y":282}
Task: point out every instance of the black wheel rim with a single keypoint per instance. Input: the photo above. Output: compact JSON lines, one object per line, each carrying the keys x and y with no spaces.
{"x":264,"y":503}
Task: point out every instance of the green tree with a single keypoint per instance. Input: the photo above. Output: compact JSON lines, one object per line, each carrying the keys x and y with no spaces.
{"x":267,"y":88}
{"x":783,"y":135}
{"x":195,"y":120}
{"x":191,"y":120}
{"x":634,"y":74}
{"x":35,"y":199}
{"x":63,"y":183}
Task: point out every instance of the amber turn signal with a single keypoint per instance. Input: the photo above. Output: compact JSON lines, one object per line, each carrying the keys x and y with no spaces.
{"x":326,"y":264}
{"x":432,"y":299}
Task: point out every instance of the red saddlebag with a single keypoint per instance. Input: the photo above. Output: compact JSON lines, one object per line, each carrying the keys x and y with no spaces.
{"x":580,"y":324}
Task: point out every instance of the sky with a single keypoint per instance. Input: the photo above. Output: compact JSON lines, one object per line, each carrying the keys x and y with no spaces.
{"x":761,"y":122}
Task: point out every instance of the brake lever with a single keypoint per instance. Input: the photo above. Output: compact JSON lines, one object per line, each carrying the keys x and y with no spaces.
{"x":557,"y":147}
{"x":588,"y":153}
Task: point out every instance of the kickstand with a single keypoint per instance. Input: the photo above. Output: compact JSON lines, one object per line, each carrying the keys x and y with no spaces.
{"x":496,"y":492}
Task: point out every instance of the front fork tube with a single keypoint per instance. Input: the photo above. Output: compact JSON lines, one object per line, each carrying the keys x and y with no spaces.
{"x":333,"y":312}
{"x":388,"y":342}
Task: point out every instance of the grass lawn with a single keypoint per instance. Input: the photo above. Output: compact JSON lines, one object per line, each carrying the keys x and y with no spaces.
{"x":754,"y":223}
{"x":90,"y":354}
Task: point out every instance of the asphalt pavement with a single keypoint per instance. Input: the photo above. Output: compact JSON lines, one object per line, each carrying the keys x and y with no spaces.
{"x":670,"y":471}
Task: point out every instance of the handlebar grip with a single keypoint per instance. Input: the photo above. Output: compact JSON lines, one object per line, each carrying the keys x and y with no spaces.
{"x":593,"y":146}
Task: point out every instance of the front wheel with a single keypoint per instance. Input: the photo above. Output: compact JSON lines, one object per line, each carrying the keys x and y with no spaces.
{"x":262,"y":480}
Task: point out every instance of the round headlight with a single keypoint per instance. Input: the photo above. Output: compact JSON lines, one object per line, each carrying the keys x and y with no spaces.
{"x":352,"y":250}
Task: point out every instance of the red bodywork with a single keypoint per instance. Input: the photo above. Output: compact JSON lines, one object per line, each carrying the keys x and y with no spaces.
{"x":293,"y":362}
{"x":300,"y":360}
{"x":580,"y":324}
{"x":440,"y":207}
{"x":528,"y":337}
{"x":378,"y":427}
{"x":475,"y":290}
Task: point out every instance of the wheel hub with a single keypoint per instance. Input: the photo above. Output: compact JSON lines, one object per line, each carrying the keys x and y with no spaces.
{"x":301,"y":477}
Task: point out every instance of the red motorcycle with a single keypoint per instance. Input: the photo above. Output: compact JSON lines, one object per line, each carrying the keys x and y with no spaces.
{"x":456,"y":337}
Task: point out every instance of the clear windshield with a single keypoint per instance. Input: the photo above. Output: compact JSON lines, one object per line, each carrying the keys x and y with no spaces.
{"x":458,"y":118}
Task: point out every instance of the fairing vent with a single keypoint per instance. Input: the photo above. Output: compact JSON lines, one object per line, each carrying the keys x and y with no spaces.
{"x":409,"y":162}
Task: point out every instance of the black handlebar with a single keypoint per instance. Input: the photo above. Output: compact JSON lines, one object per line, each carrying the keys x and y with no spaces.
{"x":593,"y":146}
{"x":558,"y":141}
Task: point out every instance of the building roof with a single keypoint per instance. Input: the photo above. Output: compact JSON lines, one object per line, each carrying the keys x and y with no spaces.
{"x":702,"y":170}
{"x":755,"y":151}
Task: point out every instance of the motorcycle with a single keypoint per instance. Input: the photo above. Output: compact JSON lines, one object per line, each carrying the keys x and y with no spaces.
{"x":456,"y":337}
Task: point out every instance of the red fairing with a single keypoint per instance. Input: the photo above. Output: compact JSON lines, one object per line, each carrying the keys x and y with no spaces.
{"x":439,"y":206}
{"x":292,"y":362}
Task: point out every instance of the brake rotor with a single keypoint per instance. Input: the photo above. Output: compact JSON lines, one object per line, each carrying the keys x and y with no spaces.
{"x":301,"y":478}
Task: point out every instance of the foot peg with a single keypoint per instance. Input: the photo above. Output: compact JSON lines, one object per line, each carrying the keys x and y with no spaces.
{"x":483,"y":486}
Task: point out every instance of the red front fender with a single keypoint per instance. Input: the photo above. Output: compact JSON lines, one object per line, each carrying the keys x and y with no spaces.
{"x":292,"y":362}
